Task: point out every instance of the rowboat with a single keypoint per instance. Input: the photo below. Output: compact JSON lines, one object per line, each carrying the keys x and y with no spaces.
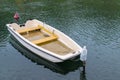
{"x":45,"y":41}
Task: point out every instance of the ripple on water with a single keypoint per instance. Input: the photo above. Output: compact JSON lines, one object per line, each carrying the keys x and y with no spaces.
{"x":3,"y":38}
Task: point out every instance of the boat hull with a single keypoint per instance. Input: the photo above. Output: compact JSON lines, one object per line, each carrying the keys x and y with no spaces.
{"x":35,"y":50}
{"x":44,"y":52}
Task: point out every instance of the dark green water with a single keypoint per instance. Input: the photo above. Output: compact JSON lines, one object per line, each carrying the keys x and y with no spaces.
{"x":94,"y":23}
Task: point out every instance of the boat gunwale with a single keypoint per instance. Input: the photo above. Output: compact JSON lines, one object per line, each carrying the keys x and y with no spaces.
{"x":35,"y":46}
{"x":61,"y":57}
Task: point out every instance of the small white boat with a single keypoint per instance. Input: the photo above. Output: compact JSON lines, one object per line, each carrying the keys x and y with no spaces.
{"x":45,"y":41}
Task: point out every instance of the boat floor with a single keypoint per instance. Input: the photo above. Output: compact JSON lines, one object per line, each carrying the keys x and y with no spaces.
{"x":54,"y":45}
{"x":34,"y":35}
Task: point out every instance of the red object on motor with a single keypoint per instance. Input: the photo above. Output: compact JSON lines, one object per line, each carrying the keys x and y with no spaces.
{"x":16,"y":16}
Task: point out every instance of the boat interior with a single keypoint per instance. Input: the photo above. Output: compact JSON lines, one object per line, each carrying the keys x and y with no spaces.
{"x":42,"y":37}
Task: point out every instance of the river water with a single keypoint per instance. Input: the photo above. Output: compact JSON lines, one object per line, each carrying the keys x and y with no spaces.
{"x":94,"y":23}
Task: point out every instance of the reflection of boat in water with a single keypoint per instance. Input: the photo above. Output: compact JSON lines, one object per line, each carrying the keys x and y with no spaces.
{"x":62,"y":68}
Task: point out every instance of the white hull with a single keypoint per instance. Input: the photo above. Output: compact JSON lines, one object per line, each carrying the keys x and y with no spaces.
{"x":45,"y":53}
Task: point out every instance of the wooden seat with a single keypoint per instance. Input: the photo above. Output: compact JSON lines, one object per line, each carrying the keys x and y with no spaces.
{"x":44,"y":40}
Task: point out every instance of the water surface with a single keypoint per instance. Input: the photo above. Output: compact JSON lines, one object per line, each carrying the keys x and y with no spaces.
{"x":94,"y":23}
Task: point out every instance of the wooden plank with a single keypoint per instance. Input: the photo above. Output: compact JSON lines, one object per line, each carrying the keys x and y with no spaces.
{"x":47,"y":39}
